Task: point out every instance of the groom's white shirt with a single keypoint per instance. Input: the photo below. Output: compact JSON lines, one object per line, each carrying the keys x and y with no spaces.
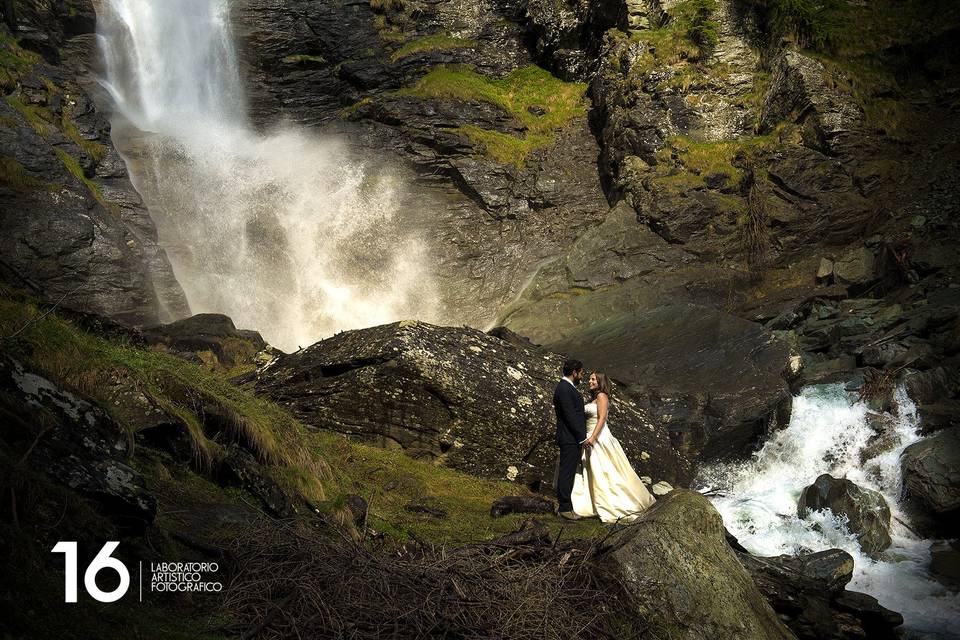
{"x":574,"y":386}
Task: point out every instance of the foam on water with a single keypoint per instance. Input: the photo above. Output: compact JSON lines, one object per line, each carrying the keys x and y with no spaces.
{"x":829,"y":432}
{"x":284,"y":232}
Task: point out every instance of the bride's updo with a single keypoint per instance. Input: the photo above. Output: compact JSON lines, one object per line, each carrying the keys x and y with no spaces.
{"x":603,"y":385}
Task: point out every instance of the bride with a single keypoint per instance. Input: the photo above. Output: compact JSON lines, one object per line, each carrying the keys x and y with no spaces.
{"x":607,"y":486}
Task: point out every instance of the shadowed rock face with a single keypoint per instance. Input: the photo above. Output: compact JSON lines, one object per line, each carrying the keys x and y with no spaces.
{"x":715,"y":381}
{"x":689,"y":584}
{"x":461,"y":397}
{"x":866,"y":510}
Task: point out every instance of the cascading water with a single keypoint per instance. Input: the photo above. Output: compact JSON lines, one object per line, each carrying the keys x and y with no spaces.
{"x":829,"y":432}
{"x":283,"y":232}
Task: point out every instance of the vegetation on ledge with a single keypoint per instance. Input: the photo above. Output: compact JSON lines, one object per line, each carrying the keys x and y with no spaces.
{"x":687,"y":34}
{"x":537,"y":100}
{"x":436,"y":42}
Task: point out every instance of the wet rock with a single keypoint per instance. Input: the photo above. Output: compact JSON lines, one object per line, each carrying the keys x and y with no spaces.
{"x":935,"y":392}
{"x":79,"y":446}
{"x":521,"y":504}
{"x":808,"y":593}
{"x":945,"y":562}
{"x":684,"y":579}
{"x":448,"y":395}
{"x":931,"y":473}
{"x":878,"y":621}
{"x":75,"y":231}
{"x":831,"y":569}
{"x":867,"y":511}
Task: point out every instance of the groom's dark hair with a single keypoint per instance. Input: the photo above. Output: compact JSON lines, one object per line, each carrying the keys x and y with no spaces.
{"x":571,"y":365}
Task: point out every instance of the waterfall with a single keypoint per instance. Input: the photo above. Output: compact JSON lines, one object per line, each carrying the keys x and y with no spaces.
{"x":284,"y":231}
{"x":829,"y":432}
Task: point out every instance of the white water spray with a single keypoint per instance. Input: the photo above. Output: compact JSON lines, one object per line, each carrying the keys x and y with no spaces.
{"x":829,"y":433}
{"x":284,"y":233}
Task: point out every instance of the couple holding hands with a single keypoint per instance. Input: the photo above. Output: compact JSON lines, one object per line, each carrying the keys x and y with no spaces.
{"x":594,"y":477}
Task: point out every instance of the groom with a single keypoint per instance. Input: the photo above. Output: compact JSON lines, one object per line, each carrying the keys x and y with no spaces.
{"x":571,"y":433}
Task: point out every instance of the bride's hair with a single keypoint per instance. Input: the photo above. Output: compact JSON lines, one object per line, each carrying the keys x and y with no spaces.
{"x":603,"y":385}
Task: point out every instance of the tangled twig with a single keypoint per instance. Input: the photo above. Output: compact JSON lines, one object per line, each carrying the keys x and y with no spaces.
{"x":290,"y":582}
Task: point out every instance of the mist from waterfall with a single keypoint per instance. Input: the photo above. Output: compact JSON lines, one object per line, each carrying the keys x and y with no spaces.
{"x":283,"y":232}
{"x":830,"y":432}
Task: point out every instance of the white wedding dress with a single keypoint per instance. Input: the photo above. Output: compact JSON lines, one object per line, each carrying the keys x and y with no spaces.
{"x":606,"y":485}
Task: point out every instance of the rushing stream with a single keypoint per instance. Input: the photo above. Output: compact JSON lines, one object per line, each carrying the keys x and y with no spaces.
{"x":829,"y":432}
{"x":283,"y":232}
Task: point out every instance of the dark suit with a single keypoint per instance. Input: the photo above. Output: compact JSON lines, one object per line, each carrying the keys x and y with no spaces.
{"x":571,"y":431}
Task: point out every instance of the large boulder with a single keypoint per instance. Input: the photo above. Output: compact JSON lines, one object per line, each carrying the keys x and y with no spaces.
{"x":683,"y":578}
{"x":931,"y":476}
{"x":867,"y":512}
{"x":714,"y":380}
{"x":808,"y":593}
{"x":457,"y":396}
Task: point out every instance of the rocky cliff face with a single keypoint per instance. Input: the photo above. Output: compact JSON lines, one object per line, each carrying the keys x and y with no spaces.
{"x":74,"y":227}
{"x":763,"y":168}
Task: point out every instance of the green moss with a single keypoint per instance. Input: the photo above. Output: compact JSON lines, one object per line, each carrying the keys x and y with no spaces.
{"x":812,"y":23}
{"x":688,"y":34}
{"x":386,"y":6}
{"x":92,"y":148}
{"x":724,"y":158}
{"x":348,"y":112}
{"x":700,"y":29}
{"x":436,"y":42}
{"x":503,"y":147}
{"x":390,"y":480}
{"x":523,"y":94}
{"x":83,"y":361}
{"x":15,"y":62}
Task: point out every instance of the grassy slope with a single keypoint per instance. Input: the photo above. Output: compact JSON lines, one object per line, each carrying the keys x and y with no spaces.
{"x":310,"y":463}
